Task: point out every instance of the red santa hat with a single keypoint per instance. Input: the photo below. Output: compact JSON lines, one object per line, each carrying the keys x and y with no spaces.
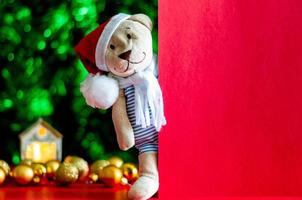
{"x":100,"y":91}
{"x":92,"y":48}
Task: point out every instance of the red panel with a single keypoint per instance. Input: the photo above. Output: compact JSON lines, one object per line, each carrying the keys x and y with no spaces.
{"x":231,"y":74}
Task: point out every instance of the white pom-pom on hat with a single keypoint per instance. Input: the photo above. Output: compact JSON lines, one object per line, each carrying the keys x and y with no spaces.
{"x":100,"y":91}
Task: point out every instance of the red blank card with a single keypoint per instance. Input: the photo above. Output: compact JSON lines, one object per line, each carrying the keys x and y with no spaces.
{"x":231,"y":74}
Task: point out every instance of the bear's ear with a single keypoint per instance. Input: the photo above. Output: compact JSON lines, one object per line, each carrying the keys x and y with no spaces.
{"x":143,"y":19}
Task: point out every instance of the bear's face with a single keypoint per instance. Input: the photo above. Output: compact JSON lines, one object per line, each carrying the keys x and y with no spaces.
{"x":130,"y":47}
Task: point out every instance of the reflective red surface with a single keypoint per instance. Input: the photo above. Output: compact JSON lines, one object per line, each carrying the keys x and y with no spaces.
{"x":74,"y":192}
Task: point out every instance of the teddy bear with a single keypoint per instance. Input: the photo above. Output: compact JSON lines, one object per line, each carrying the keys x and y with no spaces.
{"x":119,"y":58}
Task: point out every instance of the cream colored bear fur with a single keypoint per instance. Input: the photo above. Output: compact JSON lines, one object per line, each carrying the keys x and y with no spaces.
{"x":122,"y":46}
{"x":139,"y":28}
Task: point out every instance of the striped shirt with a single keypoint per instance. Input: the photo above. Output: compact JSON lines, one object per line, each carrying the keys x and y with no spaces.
{"x":146,"y":139}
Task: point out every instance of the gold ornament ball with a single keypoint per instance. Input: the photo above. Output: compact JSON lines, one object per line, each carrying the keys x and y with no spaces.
{"x":2,"y":175}
{"x":51,"y":168}
{"x":80,"y":163}
{"x":117,"y":161}
{"x":23,"y":174}
{"x":111,"y":175}
{"x":11,"y":174}
{"x":124,"y":181}
{"x":98,"y":165}
{"x":37,"y":179}
{"x":26,"y":162}
{"x":39,"y":169}
{"x":68,"y":158}
{"x":130,"y":171}
{"x":67,"y":173}
{"x":5,"y":167}
{"x":93,"y":177}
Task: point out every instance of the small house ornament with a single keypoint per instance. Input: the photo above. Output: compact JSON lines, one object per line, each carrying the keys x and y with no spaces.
{"x":41,"y":143}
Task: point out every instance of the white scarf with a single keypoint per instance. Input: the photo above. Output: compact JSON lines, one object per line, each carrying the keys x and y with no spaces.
{"x":147,"y":95}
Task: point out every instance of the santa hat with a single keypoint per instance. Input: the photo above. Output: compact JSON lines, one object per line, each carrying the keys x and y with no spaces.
{"x":99,"y":90}
{"x":92,"y":48}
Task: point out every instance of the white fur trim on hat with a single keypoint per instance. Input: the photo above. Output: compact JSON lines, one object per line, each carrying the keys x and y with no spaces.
{"x":103,"y":41}
{"x":100,"y":91}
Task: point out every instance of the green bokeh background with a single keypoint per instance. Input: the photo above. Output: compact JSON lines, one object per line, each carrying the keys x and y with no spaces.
{"x":40,"y":73}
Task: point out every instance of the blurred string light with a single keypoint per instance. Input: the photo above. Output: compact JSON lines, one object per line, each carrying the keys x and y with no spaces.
{"x":15,"y":126}
{"x":10,"y":34}
{"x":10,"y":57}
{"x":5,"y":73}
{"x":59,"y":18}
{"x":60,"y":26}
{"x":85,"y":12}
{"x":39,"y":103}
{"x":24,"y":13}
{"x":40,"y":74}
{"x":16,"y":158}
{"x":27,"y":28}
{"x":8,"y":19}
{"x":5,"y":104}
{"x":47,"y":33}
{"x":92,"y":144}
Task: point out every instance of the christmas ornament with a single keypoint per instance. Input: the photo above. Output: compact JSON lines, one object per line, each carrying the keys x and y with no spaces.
{"x":93,"y":177}
{"x":130,"y":171}
{"x":23,"y":174}
{"x":26,"y":162}
{"x":11,"y":174}
{"x":80,"y":163}
{"x":2,"y":175}
{"x":39,"y":169}
{"x":117,"y":161}
{"x":98,"y":165}
{"x":111,"y":175}
{"x":5,"y":167}
{"x":36,"y":179}
{"x":124,"y":181}
{"x":67,"y":173}
{"x":51,"y":168}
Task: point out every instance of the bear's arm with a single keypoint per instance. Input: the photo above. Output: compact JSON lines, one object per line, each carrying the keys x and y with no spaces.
{"x":122,"y":126}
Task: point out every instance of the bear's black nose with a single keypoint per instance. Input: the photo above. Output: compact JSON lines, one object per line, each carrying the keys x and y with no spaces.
{"x":125,"y":55}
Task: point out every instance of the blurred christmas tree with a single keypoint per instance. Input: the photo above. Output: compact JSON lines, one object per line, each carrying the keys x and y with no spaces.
{"x":40,"y":74}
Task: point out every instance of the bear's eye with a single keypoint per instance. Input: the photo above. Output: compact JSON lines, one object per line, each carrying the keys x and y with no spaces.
{"x":112,"y":46}
{"x":128,"y":36}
